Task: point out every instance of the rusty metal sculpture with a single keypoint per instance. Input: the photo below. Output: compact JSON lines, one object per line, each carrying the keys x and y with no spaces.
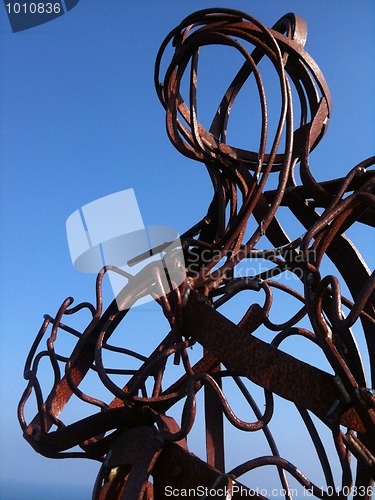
{"x":133,"y":436}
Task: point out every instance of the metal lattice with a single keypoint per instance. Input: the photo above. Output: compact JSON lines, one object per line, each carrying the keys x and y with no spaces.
{"x":134,"y":435}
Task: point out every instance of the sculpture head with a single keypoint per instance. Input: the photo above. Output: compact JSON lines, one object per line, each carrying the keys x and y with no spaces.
{"x":239,"y":175}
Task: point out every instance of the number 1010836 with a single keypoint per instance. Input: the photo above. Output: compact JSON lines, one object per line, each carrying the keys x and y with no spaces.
{"x":34,"y":8}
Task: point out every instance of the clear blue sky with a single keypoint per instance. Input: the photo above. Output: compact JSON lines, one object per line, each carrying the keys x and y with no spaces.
{"x":79,"y":119}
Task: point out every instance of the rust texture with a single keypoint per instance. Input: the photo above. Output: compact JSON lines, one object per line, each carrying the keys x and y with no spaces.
{"x":141,"y":447}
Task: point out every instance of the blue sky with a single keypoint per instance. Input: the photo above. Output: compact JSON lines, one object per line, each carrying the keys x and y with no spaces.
{"x":80,"y":119}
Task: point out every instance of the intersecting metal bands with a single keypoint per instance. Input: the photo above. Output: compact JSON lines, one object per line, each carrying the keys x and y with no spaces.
{"x":133,"y":434}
